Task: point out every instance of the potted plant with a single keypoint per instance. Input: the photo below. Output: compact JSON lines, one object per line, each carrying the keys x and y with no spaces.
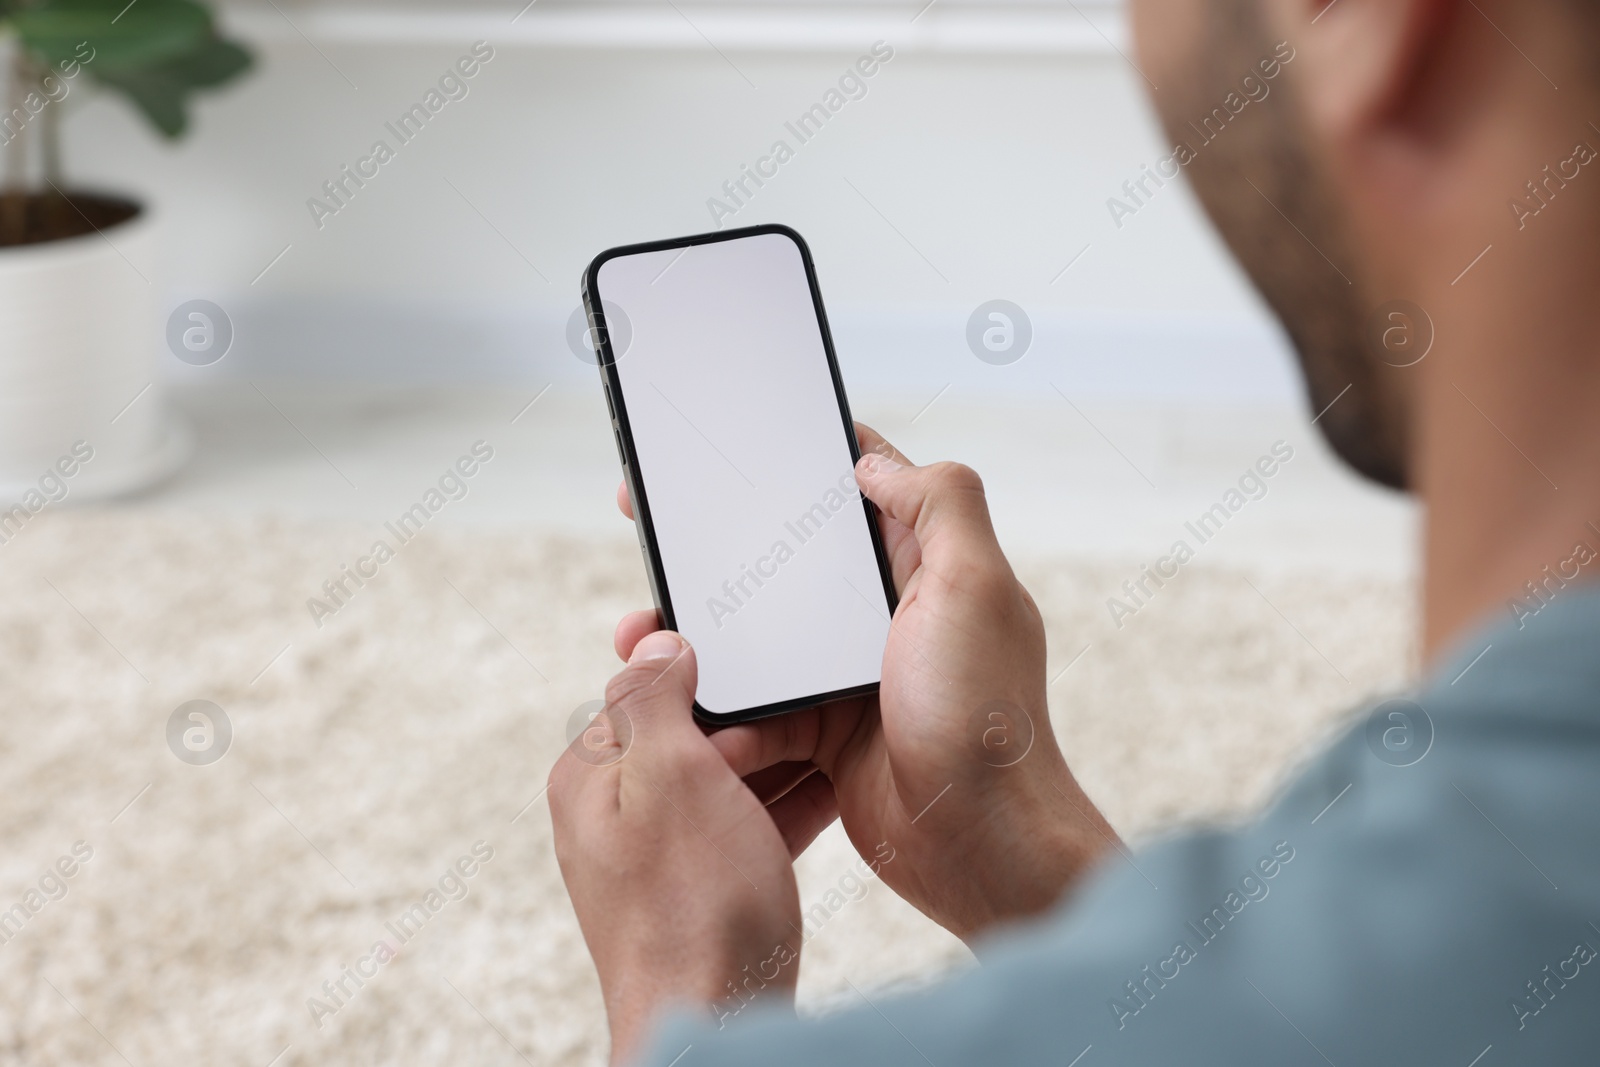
{"x":79,"y":343}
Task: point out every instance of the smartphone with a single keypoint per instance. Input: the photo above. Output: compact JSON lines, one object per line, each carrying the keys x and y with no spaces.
{"x":739,"y":453}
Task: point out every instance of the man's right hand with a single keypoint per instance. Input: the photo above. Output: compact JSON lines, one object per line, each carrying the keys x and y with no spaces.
{"x":954,"y":764}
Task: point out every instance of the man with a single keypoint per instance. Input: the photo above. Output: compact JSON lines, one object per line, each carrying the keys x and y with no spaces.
{"x":1432,"y":907}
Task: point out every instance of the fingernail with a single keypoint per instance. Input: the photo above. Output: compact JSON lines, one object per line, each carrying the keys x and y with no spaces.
{"x":873,"y":465}
{"x":662,"y":644}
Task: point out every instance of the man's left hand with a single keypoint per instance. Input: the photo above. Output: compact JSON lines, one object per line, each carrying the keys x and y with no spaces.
{"x":679,"y":872}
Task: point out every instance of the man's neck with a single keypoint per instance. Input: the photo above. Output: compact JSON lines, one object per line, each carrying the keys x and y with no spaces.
{"x":1506,"y":456}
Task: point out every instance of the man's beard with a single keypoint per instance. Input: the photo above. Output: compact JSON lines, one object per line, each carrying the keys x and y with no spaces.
{"x":1260,"y":184}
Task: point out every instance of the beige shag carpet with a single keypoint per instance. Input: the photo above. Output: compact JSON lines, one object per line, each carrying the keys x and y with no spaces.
{"x":371,"y":754}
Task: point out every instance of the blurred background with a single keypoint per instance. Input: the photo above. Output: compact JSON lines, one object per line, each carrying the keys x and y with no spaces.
{"x":371,"y":346}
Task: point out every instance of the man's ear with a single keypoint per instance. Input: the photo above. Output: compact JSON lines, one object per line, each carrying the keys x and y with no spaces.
{"x":1361,"y":60}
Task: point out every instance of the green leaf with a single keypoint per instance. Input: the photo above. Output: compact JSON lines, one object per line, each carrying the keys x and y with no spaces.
{"x":121,"y":34}
{"x":161,"y":90}
{"x":161,"y":102}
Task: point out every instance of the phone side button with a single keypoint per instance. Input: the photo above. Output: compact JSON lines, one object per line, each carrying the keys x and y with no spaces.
{"x":622,"y":453}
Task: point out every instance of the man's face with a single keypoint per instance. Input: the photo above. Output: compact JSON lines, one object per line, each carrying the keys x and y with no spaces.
{"x":1261,"y":180}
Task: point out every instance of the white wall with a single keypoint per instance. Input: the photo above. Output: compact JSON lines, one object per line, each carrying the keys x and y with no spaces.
{"x":984,"y":154}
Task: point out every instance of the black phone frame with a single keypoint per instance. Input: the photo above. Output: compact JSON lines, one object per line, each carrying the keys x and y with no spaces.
{"x":611,"y":381}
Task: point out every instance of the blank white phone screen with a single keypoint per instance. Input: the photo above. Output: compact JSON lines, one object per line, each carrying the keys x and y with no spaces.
{"x":746,"y":470}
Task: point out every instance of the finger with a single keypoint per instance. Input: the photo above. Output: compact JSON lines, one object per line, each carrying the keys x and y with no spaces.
{"x":651,"y":700}
{"x":804,"y":812}
{"x":871,"y":440}
{"x":905,"y":556}
{"x":900,"y":545}
{"x":755,"y":746}
{"x":943,"y":504}
{"x":632,"y":629}
{"x":773,"y":782}
{"x":624,"y":501}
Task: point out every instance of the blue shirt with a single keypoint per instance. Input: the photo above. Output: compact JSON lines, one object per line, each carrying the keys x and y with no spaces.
{"x":1427,"y":892}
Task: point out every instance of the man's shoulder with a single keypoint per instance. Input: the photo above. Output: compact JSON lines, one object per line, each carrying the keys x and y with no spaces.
{"x":1427,"y":886}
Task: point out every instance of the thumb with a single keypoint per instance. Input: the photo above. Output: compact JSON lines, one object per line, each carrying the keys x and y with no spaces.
{"x":942,"y":503}
{"x":652,"y":697}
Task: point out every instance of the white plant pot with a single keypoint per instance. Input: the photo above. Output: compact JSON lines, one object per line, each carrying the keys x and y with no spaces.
{"x":79,"y":340}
